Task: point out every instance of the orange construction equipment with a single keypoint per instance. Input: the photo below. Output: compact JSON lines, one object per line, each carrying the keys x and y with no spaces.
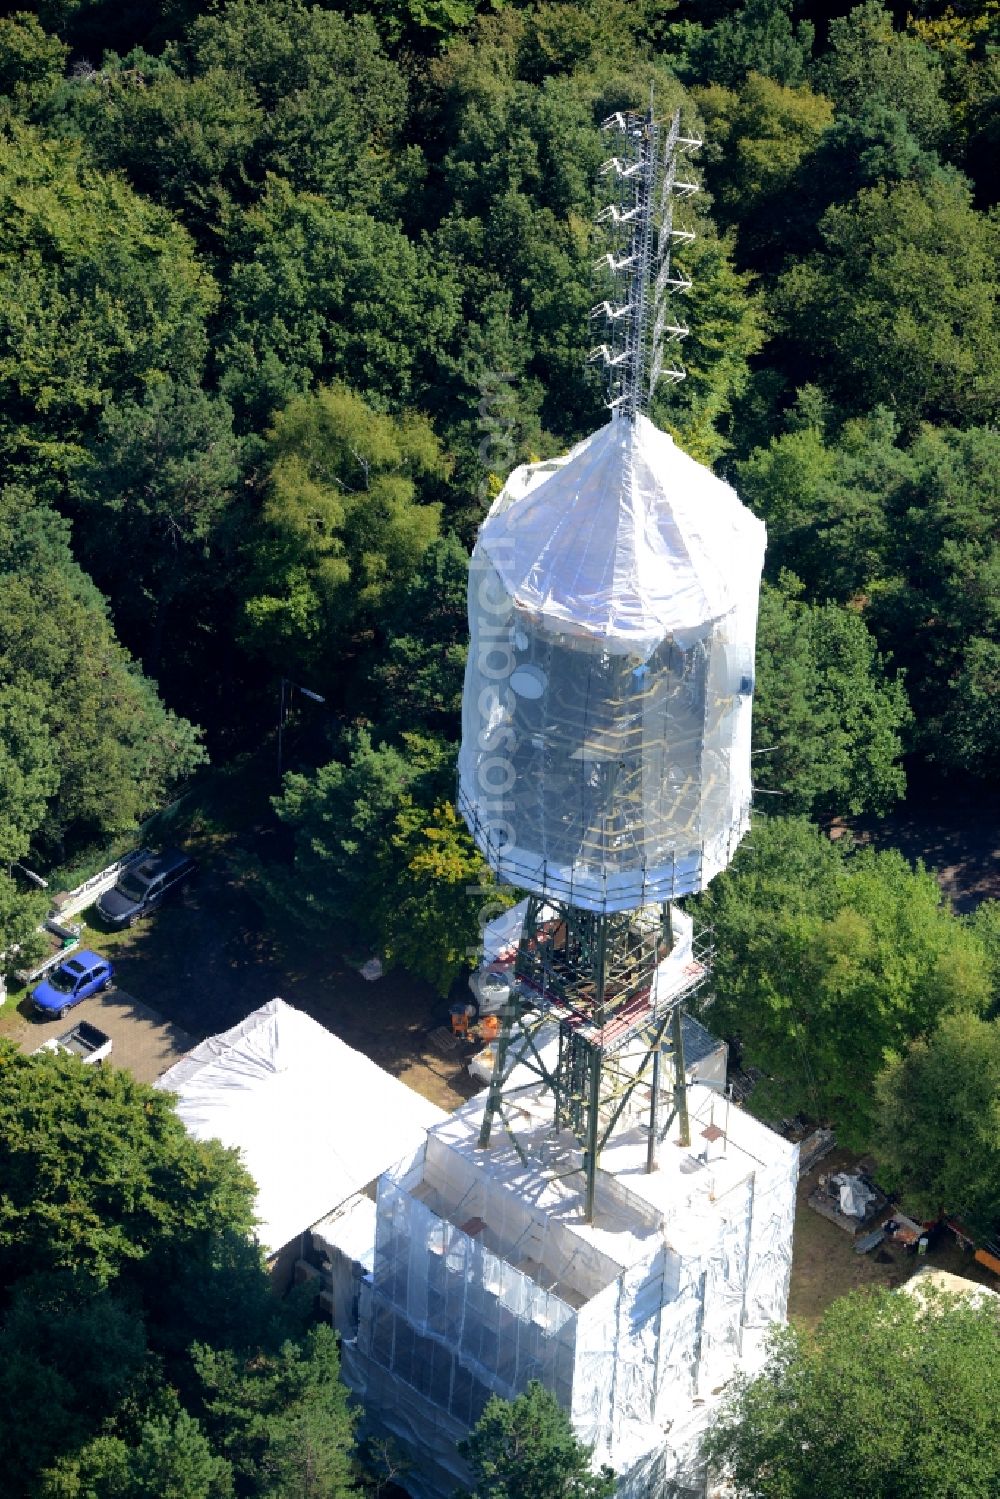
{"x":489,"y":1027}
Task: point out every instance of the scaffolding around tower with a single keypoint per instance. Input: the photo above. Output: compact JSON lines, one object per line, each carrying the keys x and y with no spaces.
{"x":486,"y":1275}
{"x":592,"y":1012}
{"x":605,"y":755}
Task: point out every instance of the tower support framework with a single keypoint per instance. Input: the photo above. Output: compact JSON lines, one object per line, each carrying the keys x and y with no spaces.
{"x":593,"y":978}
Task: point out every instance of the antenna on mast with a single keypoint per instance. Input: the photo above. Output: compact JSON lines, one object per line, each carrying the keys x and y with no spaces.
{"x":638,"y":322}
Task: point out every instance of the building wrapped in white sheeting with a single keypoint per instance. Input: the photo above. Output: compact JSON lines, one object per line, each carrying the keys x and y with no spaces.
{"x":486,"y":1275}
{"x":605,"y":755}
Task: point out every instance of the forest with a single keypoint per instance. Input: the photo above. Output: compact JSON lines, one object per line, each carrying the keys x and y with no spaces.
{"x":288,"y":289}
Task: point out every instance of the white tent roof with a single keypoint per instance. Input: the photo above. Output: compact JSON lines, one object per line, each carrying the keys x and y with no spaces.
{"x":930,"y":1279}
{"x":314,"y":1120}
{"x":626,"y":539}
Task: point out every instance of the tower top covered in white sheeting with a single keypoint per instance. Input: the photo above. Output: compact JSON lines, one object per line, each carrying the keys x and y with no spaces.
{"x":625,"y":539}
{"x":605,"y":756}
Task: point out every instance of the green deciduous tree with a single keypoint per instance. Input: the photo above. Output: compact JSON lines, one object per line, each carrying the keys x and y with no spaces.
{"x":157,"y":486}
{"x":938,"y":607}
{"x":938,"y":1141}
{"x":100,"y":292}
{"x":28,"y":772}
{"x":985,"y":922}
{"x":101,"y":1176}
{"x":827,"y":503}
{"x":183,"y":137}
{"x":341,"y":818}
{"x":827,"y":964}
{"x":123,"y":1241}
{"x":319,"y":293}
{"x":330,"y":103}
{"x":289,"y":90}
{"x":760,"y":142}
{"x":21,"y":912}
{"x":906,"y":535}
{"x":343,"y":525}
{"x":31,"y":61}
{"x":890,"y":314}
{"x":422,"y":21}
{"x":963,"y":40}
{"x":890,"y":1397}
{"x":527,"y":1449}
{"x":380,"y":851}
{"x":427,"y":917}
{"x":418,"y":673}
{"x":758,"y":36}
{"x":112,"y":746}
{"x":868,"y":62}
{"x":826,"y":712}
{"x":69,"y":1352}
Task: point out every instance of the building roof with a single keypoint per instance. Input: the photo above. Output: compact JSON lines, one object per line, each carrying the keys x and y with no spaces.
{"x":626,"y":539}
{"x":930,"y":1279}
{"x":314,"y":1120}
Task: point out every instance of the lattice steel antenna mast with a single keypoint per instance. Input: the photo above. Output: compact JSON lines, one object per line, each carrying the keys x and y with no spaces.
{"x":639,"y":322}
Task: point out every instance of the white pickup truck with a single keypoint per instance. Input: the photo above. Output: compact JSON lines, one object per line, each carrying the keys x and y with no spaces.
{"x":84,"y":1041}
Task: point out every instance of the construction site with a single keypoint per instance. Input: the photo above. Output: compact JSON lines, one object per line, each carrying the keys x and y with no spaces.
{"x":601,"y":1217}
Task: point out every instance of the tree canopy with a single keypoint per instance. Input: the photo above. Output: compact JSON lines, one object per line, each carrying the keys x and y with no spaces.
{"x":101,"y":292}
{"x":90,"y":747}
{"x":526,"y":1449}
{"x":937,"y":1135}
{"x":100,"y":1176}
{"x":888,"y":1397}
{"x":828,"y":717}
{"x":142,"y":1350}
{"x":829,"y":963}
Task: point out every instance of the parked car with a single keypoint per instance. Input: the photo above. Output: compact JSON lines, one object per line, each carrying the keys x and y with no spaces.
{"x":144,"y":886}
{"x":84,"y":1041}
{"x":75,"y":979}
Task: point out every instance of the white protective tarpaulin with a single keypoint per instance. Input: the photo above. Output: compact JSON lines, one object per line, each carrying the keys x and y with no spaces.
{"x":314,"y":1120}
{"x":487,"y":1274}
{"x":605,"y":754}
{"x":346,"y":1239}
{"x":625,"y":539}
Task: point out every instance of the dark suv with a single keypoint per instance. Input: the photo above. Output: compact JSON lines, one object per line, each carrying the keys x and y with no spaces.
{"x":143,"y":886}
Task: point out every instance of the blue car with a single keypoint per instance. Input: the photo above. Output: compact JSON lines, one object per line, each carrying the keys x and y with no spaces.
{"x":74,"y":979}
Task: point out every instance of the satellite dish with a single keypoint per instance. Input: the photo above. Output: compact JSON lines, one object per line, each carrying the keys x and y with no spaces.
{"x":528,"y":681}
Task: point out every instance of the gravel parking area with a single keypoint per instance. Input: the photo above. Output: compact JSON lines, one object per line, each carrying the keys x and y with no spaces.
{"x":143,"y":1041}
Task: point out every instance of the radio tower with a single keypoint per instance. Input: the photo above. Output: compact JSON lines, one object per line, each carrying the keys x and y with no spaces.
{"x":642,"y":237}
{"x":601,"y":1219}
{"x":605,"y":761}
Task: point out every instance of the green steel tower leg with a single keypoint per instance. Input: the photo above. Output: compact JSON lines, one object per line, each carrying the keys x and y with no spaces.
{"x":651,"y":1145}
{"x":593,"y":1131}
{"x":680,"y":1080}
{"x":495,"y":1095}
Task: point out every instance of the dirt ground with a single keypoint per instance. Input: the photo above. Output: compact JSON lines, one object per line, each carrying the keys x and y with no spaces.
{"x":955,"y":832}
{"x":825,"y":1265}
{"x":205,"y":961}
